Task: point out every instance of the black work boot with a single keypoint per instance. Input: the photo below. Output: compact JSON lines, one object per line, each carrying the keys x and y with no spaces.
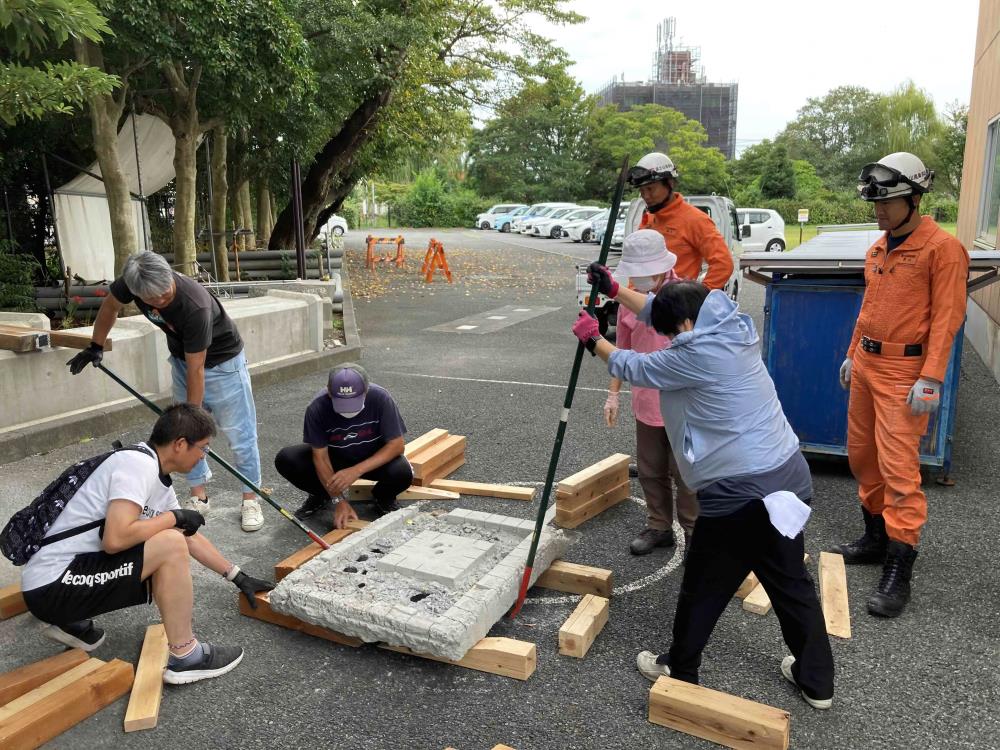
{"x":312,"y":505}
{"x":650,"y":539}
{"x":870,"y":548}
{"x":893,"y":591}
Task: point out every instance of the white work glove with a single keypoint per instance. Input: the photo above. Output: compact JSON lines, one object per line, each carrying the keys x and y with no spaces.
{"x":845,"y":374}
{"x":924,"y":397}
{"x":611,"y":409}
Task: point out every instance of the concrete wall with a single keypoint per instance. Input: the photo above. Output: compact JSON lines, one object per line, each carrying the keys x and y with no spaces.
{"x":37,"y":388}
{"x":984,"y":107}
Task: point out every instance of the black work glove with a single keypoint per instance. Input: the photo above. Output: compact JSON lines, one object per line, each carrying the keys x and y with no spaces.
{"x":250,"y":586}
{"x":188,"y":521}
{"x":606,"y":285}
{"x":89,"y":356}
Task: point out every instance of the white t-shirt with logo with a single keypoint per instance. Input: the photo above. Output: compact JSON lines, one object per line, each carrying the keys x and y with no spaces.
{"x":127,"y":475}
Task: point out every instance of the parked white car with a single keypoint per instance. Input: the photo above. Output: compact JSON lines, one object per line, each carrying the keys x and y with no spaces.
{"x":763,"y":230}
{"x":582,"y":230}
{"x":552,"y":226}
{"x":529,"y":221}
{"x":485,"y":220}
{"x":335,"y":226}
{"x":533,"y":211}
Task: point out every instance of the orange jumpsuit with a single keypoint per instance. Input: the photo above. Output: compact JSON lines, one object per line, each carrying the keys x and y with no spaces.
{"x":914,"y":295}
{"x":692,"y":236}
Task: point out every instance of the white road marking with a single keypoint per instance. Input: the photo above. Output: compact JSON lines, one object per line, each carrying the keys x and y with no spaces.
{"x":496,"y":317}
{"x":465,"y":328}
{"x":487,"y":380}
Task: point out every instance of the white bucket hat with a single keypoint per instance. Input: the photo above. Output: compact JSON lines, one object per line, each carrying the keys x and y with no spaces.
{"x":644,"y":253}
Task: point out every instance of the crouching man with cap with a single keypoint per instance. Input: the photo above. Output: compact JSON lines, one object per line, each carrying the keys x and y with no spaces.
{"x":122,"y":539}
{"x":352,"y":430}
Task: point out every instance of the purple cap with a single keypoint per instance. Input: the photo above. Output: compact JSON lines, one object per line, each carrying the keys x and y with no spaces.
{"x":347,"y":386}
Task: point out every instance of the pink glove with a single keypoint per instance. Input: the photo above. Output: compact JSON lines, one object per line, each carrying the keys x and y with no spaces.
{"x":585,"y":328}
{"x":600,"y":275}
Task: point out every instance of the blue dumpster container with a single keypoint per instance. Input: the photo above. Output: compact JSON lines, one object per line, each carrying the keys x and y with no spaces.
{"x":813,"y":296}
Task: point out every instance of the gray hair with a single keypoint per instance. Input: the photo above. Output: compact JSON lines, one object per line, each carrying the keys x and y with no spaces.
{"x":147,"y":274}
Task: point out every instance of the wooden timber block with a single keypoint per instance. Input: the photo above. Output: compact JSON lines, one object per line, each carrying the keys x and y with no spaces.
{"x":58,"y":338}
{"x":573,"y":500}
{"x":449,"y":468}
{"x":47,"y":688}
{"x":436,"y":457}
{"x":576,"y":579}
{"x":484,"y":489}
{"x":577,"y":634}
{"x":362,"y":490}
{"x":610,"y":465}
{"x":717,"y":717}
{"x":304,"y":555}
{"x":572,"y":519}
{"x":357,"y":524}
{"x":24,"y":679}
{"x":11,"y":601}
{"x":833,"y":594}
{"x":503,"y":656}
{"x":748,"y":585}
{"x":23,"y":341}
{"x":144,"y":704}
{"x":757,"y":601}
{"x":264,"y":613}
{"x":66,"y":707}
{"x":428,"y":438}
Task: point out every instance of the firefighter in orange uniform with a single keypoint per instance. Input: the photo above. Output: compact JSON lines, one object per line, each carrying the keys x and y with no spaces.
{"x":690,"y":233}
{"x":914,"y":304}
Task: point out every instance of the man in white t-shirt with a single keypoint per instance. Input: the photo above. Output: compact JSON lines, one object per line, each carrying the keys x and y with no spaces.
{"x":140,"y":555}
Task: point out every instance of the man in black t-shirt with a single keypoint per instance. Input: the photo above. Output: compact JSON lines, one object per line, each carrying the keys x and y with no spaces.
{"x":352,"y":429}
{"x":206,"y":359}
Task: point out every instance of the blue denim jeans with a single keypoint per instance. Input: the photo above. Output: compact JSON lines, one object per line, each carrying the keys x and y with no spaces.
{"x":229,"y":399}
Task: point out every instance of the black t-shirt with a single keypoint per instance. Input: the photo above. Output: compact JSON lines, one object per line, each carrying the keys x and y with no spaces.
{"x":353,"y":439}
{"x":893,"y":242}
{"x":194,"y":321}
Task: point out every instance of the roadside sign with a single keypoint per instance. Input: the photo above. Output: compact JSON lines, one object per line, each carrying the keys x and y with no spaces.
{"x":803,"y":216}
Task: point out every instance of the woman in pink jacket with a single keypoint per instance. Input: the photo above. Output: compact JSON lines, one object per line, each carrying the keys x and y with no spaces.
{"x":646,"y":265}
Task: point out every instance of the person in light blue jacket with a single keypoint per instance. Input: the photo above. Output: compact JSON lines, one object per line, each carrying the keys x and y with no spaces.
{"x":734,"y":447}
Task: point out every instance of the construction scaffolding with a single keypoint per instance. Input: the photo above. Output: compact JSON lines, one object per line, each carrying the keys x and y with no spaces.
{"x":678,"y":81}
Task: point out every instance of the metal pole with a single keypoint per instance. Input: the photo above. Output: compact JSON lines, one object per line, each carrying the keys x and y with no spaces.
{"x":10,"y":225}
{"x":138,"y":177}
{"x":300,"y":237}
{"x":543,"y":506}
{"x":208,"y":213}
{"x":52,"y":208}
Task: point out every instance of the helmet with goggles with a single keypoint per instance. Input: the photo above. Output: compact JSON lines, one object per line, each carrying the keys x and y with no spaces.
{"x":894,"y":176}
{"x":651,"y":168}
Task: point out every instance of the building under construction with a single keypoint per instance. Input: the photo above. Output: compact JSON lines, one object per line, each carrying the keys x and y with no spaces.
{"x":678,"y":81}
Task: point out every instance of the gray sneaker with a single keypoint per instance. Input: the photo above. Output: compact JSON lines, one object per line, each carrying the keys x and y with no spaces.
{"x":646,"y":663}
{"x":650,"y":539}
{"x":216,"y":662}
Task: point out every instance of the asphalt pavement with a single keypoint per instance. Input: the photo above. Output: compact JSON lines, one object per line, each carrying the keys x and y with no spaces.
{"x":927,"y":679}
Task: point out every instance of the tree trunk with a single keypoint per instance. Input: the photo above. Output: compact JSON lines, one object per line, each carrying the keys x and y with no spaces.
{"x":184,"y":126}
{"x":220,"y":193}
{"x":273,"y":217}
{"x":247,"y":206}
{"x":104,"y":115}
{"x":334,"y":201}
{"x":338,"y":152}
{"x":263,"y":213}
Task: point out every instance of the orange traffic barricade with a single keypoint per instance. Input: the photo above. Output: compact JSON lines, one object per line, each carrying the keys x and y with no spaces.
{"x":434,"y":258}
{"x":372,"y":257}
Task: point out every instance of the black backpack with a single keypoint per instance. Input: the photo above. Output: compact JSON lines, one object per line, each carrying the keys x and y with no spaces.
{"x":24,"y":533}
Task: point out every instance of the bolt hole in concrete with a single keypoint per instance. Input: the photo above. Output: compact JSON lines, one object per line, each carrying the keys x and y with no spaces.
{"x":361,"y":585}
{"x":377,"y":552}
{"x":362,"y":558}
{"x":350,"y":569}
{"x":418,"y":597}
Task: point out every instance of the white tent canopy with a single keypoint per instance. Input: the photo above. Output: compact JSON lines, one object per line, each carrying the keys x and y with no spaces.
{"x":83,"y":221}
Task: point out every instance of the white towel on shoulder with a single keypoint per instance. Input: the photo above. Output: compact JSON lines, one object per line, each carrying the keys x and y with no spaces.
{"x":788,"y":514}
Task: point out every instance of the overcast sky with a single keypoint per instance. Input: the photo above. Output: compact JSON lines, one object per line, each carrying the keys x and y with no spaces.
{"x":782,"y":52}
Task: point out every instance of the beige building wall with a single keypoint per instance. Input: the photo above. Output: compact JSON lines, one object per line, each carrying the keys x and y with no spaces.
{"x":983,"y":326}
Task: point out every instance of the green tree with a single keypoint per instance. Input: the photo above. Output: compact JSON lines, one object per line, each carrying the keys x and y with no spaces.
{"x":47,"y":87}
{"x":808,"y":185}
{"x":948,"y":151}
{"x":777,"y":180}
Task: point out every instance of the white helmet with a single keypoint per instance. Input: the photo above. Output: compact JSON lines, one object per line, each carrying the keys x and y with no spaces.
{"x":894,"y":176}
{"x":651,"y":168}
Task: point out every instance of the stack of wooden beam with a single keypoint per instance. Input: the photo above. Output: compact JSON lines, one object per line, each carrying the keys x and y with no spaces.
{"x":434,"y":454}
{"x":42,"y":700}
{"x":583,"y":495}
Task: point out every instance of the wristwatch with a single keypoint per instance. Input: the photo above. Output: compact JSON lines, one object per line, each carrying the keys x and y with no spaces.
{"x":591,"y":345}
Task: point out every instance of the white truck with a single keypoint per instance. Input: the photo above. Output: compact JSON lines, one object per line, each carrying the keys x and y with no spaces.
{"x":723,"y":213}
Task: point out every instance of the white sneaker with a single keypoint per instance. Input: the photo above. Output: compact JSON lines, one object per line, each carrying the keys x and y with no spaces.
{"x":253,"y":516}
{"x":646,"y":662}
{"x":196,"y":503}
{"x":786,"y":669}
